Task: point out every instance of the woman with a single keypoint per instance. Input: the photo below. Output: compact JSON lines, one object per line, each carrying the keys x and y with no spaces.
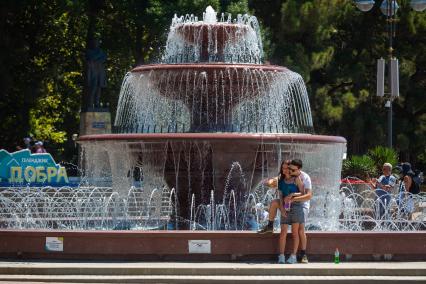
{"x":288,"y":187}
{"x":407,"y":189}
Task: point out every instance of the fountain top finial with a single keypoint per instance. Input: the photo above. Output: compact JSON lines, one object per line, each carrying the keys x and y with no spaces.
{"x":210,"y":15}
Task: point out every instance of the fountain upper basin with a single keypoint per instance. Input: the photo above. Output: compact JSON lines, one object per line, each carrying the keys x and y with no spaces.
{"x":208,"y":66}
{"x":213,"y":97}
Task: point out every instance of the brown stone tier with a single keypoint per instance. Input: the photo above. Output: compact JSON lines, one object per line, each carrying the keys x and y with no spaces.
{"x":215,"y":136}
{"x":208,"y":66}
{"x":218,"y":84}
{"x":231,"y":245}
{"x":223,"y":31}
{"x":202,"y":33}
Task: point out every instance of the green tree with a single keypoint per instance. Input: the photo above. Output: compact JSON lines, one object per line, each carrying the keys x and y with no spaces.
{"x":41,"y":84}
{"x":335,"y":47}
{"x":329,"y":42}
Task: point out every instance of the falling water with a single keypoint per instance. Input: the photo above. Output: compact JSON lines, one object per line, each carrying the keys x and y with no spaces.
{"x":230,"y":41}
{"x":228,"y":99}
{"x":210,"y":82}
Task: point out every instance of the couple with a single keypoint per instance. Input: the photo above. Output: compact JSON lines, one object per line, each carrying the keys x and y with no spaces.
{"x":295,"y":191}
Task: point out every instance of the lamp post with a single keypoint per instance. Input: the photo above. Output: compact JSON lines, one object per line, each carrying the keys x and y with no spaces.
{"x":389,"y":8}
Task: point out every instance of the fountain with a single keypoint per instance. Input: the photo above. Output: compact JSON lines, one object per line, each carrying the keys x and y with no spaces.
{"x":210,"y":123}
{"x":194,"y":137}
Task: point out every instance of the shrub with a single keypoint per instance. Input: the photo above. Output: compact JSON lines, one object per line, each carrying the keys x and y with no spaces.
{"x":381,"y":155}
{"x":361,"y":167}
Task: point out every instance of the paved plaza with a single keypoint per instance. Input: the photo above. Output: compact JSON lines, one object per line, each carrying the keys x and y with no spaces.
{"x":231,"y":272}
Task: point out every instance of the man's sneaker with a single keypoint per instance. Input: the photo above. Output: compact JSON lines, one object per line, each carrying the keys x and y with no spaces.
{"x":269,"y":228}
{"x":304,"y":259}
{"x":292,"y":259}
{"x":281,"y":259}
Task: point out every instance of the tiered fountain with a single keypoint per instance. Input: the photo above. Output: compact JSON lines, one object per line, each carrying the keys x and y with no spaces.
{"x":194,"y":138}
{"x":210,"y":123}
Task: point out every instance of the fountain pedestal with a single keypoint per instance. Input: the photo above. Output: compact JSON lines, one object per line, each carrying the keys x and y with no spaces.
{"x":224,"y":246}
{"x":95,"y":121}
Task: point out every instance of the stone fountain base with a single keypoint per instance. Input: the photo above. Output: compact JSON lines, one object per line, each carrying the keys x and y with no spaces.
{"x":224,"y":246}
{"x":95,"y":121}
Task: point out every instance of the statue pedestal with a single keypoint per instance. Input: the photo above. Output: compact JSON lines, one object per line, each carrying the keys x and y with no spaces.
{"x":95,"y":121}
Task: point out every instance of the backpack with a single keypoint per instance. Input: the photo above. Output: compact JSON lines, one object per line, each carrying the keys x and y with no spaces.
{"x":417,"y":181}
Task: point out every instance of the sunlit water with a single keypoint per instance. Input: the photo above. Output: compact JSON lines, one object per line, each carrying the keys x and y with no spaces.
{"x":99,"y":208}
{"x":225,"y":40}
{"x":204,"y":184}
{"x":364,"y":209}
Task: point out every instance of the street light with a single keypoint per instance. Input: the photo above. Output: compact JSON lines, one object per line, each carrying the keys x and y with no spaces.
{"x":364,"y":5}
{"x":418,"y":5}
{"x":389,"y":8}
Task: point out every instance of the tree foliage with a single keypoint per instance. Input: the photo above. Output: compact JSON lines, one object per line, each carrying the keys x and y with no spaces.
{"x":329,"y":42}
{"x":369,"y":165}
{"x":381,"y":155}
{"x":335,"y":47}
{"x":362,"y":167}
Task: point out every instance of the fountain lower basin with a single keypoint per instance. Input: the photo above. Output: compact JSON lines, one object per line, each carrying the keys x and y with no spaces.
{"x":224,"y":246}
{"x":215,"y":178}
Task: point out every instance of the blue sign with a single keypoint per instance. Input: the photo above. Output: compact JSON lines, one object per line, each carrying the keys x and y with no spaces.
{"x":99,"y":124}
{"x":24,"y":168}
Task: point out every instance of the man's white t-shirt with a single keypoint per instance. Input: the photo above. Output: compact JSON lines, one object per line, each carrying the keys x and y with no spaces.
{"x":306,"y":179}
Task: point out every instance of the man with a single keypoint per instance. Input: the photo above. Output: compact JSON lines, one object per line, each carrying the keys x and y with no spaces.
{"x":384,"y":185}
{"x":287,"y":187}
{"x":295,"y":168}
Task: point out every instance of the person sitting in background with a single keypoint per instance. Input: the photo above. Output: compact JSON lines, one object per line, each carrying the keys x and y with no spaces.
{"x":258,"y":215}
{"x":27,"y":142}
{"x":383,"y":187}
{"x":407,"y":188}
{"x":39,"y":148}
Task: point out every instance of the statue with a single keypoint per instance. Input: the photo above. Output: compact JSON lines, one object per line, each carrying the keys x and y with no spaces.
{"x":96,"y":75}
